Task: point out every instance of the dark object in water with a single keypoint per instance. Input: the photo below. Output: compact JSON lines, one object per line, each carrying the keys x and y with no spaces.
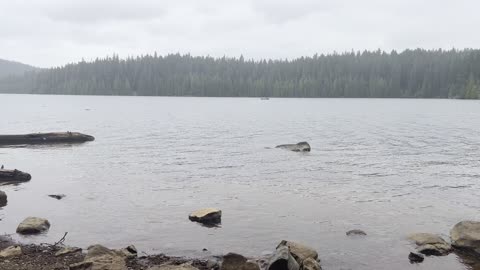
{"x":14,"y":176}
{"x":299,"y":147}
{"x":57,"y":196}
{"x":415,"y":257}
{"x":37,"y":138}
{"x":3,"y":199}
{"x":356,"y":232}
{"x":264,"y":98}
{"x":207,"y":216}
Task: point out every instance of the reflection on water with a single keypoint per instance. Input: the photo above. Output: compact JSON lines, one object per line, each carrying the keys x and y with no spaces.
{"x":389,"y":167}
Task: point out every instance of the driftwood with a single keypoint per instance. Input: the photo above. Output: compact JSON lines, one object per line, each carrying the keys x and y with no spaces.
{"x":14,"y":176}
{"x":59,"y":242}
{"x":37,"y":138}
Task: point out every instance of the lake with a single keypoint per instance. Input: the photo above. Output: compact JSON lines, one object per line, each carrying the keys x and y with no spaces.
{"x":387,"y":166}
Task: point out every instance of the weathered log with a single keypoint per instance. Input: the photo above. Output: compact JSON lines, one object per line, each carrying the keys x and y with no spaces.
{"x":37,"y":138}
{"x":299,"y":147}
{"x":14,"y":176}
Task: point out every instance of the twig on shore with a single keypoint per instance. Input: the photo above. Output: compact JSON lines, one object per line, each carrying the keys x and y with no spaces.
{"x":61,"y":240}
{"x":56,"y":243}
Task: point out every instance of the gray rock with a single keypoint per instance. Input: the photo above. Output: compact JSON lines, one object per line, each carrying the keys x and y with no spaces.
{"x":430,"y":244}
{"x":212,"y":264}
{"x":33,"y":225}
{"x":233,"y":261}
{"x":466,"y":235}
{"x":173,"y":267}
{"x":67,"y":250}
{"x":415,"y":257}
{"x":129,"y":252}
{"x":12,"y":251}
{"x":299,"y":147}
{"x":103,"y":258}
{"x":299,"y":252}
{"x":57,"y":196}
{"x":282,"y":260}
{"x":311,"y":264}
{"x":207,"y":216}
{"x":81,"y":266}
{"x":356,"y":233}
{"x":98,"y":250}
{"x":251,"y":265}
{"x":3,"y":198}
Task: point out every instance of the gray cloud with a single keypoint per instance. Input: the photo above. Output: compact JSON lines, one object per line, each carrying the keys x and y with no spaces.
{"x":284,"y":11}
{"x":54,"y":32}
{"x":90,"y":11}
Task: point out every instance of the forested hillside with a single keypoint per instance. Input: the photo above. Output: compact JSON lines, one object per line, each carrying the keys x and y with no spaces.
{"x":411,"y":73}
{"x":9,"y":68}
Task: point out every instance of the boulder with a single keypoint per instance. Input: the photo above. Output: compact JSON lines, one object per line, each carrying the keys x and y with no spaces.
{"x":12,"y":251}
{"x":251,"y":265}
{"x":206,"y":216}
{"x":311,"y":264}
{"x":102,"y":258}
{"x":430,"y":244}
{"x":466,"y":235}
{"x":299,"y":252}
{"x":33,"y":225}
{"x":212,"y":264}
{"x":67,"y":250}
{"x":299,"y":147}
{"x":129,"y":252}
{"x":3,"y":198}
{"x":173,"y":267}
{"x":356,"y":233}
{"x":81,"y":266}
{"x":98,"y":250}
{"x":233,"y":261}
{"x":282,"y":260}
{"x":415,"y":257}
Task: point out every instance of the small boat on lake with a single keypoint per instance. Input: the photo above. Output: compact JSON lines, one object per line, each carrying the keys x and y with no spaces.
{"x":45,"y":138}
{"x":14,"y":176}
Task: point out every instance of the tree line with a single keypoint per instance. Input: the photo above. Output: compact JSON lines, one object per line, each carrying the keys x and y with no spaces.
{"x":370,"y":74}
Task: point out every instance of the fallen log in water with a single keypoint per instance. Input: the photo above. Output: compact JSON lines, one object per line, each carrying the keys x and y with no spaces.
{"x":14,"y":176}
{"x":54,"y":137}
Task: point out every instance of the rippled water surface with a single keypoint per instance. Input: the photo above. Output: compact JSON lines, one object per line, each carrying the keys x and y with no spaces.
{"x":389,"y":167}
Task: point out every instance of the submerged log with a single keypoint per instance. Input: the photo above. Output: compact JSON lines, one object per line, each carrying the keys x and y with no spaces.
{"x":54,"y":137}
{"x":14,"y":176}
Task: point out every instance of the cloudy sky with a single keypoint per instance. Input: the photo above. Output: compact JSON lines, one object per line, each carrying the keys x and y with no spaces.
{"x":54,"y":32}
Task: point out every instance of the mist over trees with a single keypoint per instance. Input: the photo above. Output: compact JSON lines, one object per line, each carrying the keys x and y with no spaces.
{"x":10,"y":68}
{"x":376,"y":74}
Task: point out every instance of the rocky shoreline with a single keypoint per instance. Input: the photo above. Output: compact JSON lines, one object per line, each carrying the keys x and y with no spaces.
{"x":60,"y":257}
{"x":287,"y":255}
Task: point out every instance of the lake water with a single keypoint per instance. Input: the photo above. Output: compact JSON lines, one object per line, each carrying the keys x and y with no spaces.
{"x":389,"y":167}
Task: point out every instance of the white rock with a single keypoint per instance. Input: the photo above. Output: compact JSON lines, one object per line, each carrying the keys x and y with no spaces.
{"x":12,"y":251}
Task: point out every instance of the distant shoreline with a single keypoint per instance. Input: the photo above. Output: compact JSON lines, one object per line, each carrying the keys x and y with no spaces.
{"x":244,"y":97}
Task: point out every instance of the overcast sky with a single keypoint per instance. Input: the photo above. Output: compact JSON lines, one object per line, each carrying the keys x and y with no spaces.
{"x":55,"y":32}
